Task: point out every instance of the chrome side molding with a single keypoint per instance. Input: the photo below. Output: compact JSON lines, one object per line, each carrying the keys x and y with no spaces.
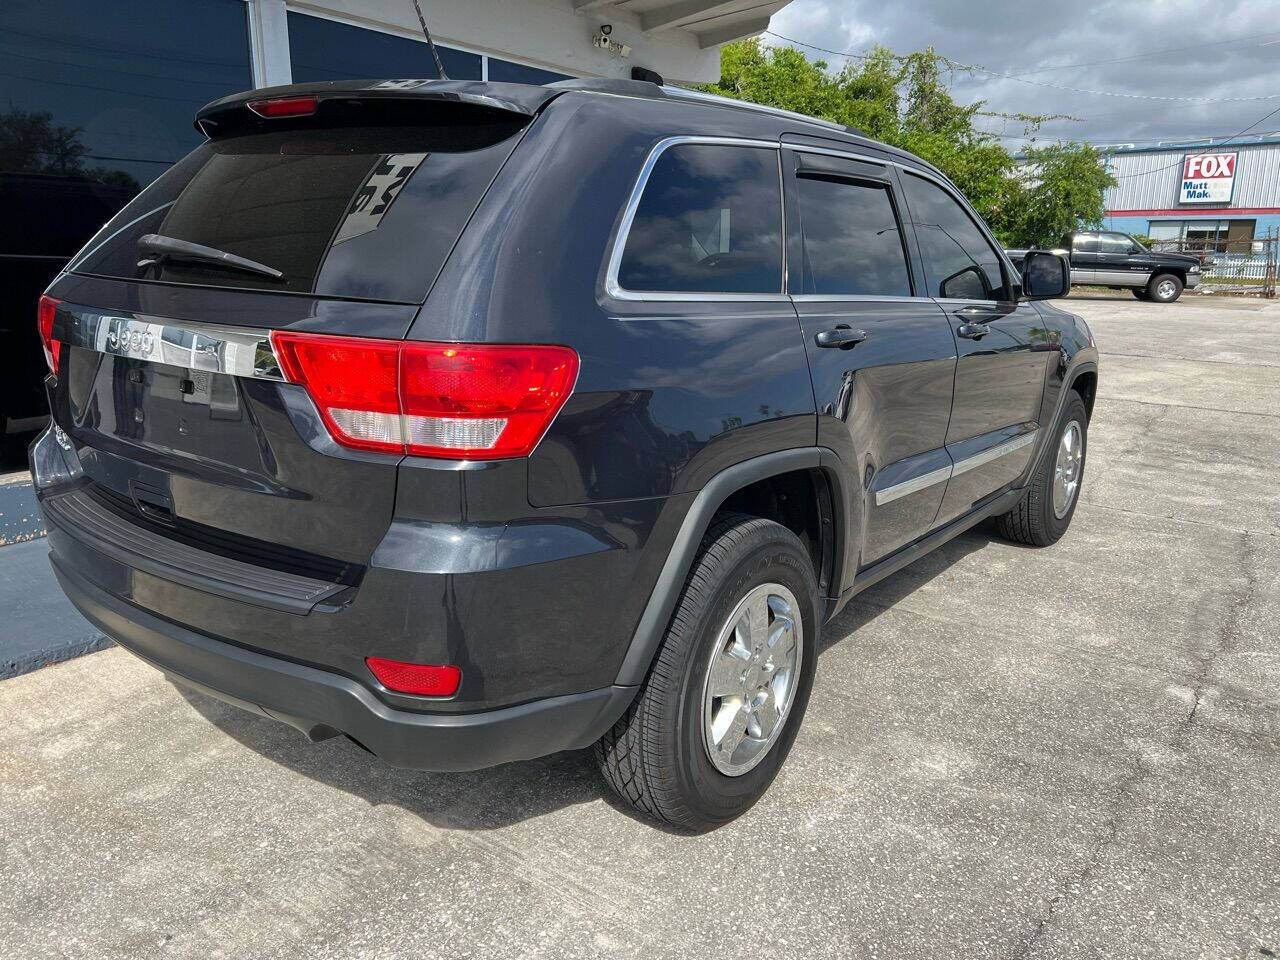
{"x":943,"y":474}
{"x":237,"y":351}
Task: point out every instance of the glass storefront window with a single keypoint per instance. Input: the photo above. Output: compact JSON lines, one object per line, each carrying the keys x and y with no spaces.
{"x":507,"y":71}
{"x":96,"y":101}
{"x":321,"y":49}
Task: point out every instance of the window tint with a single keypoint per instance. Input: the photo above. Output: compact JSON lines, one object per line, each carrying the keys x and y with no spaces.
{"x":1116,"y":243}
{"x":710,"y":221}
{"x":1085,"y":243}
{"x":365,"y":212}
{"x":321,"y":49}
{"x":851,"y":240}
{"x":959,"y":261}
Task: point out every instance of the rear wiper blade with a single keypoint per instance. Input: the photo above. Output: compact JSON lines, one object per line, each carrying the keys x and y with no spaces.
{"x":172,"y":247}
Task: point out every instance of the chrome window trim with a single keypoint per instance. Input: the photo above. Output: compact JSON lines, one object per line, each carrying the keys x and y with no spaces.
{"x":855,"y":298}
{"x":236,"y":351}
{"x":616,"y":291}
{"x":941,"y":474}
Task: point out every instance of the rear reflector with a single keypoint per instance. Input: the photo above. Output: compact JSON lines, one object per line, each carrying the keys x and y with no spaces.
{"x":44,"y":319}
{"x":284,"y":106}
{"x":423,"y":679}
{"x":451,"y":400}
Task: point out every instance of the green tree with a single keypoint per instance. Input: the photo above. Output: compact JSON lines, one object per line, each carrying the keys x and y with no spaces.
{"x":1067,"y":183}
{"x":906,"y":101}
{"x":32,"y":143}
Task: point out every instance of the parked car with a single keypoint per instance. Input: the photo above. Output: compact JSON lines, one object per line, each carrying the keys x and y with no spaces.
{"x":1117,"y":260}
{"x":501,"y":420}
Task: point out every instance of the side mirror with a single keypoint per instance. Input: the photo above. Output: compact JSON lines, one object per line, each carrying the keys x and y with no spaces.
{"x":1045,"y":275}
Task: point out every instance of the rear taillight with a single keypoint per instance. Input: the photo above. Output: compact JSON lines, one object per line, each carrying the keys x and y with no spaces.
{"x":423,"y":679}
{"x":44,"y":319}
{"x":453,"y":400}
{"x":300,"y":106}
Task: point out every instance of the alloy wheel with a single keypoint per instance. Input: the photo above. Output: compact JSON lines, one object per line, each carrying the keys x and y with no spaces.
{"x":752,"y":678}
{"x":1067,"y":469}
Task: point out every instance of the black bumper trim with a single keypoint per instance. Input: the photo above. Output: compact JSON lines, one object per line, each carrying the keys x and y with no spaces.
{"x":134,"y":546}
{"x":315,"y":700}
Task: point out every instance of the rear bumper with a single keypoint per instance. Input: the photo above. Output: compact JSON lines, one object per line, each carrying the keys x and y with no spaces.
{"x":321,"y":703}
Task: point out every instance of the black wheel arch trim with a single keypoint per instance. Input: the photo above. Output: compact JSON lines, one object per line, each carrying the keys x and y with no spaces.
{"x":684,"y":550}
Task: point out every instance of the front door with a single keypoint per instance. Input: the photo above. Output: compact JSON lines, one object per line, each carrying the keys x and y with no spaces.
{"x":1122,"y":262}
{"x":1002,"y":347}
{"x":880,"y":352}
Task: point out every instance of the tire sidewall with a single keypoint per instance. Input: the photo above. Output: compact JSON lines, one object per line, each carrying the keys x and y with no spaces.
{"x":1155,"y":285}
{"x":720,"y":798}
{"x":1074,"y":412}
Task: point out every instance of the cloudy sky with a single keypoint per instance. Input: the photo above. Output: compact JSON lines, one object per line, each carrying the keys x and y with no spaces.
{"x":1188,"y":68}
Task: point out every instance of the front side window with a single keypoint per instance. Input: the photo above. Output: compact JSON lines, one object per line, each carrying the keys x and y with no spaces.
{"x":709,"y":221}
{"x":1085,"y":243}
{"x":959,"y":261}
{"x":851,"y":240}
{"x":1116,"y":244}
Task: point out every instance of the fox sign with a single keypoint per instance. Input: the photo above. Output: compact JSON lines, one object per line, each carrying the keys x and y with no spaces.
{"x":1208,"y":178}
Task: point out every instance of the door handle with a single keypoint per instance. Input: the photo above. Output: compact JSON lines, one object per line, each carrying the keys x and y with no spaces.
{"x":842,"y":336}
{"x":972,"y":331}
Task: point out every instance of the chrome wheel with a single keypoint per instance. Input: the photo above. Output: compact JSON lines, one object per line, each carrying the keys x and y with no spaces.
{"x":752,"y":678}
{"x":1166,"y":289}
{"x":1067,"y":470}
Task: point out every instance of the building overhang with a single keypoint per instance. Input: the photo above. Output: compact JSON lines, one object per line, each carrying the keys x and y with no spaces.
{"x":678,"y":39}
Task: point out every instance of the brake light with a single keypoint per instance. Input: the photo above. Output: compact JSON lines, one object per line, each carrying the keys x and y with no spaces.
{"x":459,"y":401}
{"x":284,"y":106}
{"x":44,"y":319}
{"x":423,"y":679}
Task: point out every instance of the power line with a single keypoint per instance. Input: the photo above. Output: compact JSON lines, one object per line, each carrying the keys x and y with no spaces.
{"x":1226,"y":142}
{"x":1149,"y":53}
{"x":967,"y":67}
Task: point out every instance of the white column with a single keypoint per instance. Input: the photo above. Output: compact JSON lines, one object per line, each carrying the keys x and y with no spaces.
{"x":269,"y":43}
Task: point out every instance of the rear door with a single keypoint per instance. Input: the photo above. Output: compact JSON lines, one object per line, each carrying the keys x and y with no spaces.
{"x":169,"y":387}
{"x":1002,"y":346}
{"x":880,"y":352}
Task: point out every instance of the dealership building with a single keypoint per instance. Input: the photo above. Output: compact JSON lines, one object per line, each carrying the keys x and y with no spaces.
{"x":1207,"y":196}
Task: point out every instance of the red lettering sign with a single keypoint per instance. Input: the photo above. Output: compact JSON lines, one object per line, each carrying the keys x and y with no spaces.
{"x":1209,"y":166}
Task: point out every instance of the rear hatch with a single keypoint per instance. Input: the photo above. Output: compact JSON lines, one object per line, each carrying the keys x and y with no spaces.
{"x":319,"y":209}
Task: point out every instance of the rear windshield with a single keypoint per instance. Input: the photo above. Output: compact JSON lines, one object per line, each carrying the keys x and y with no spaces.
{"x":363,"y":212}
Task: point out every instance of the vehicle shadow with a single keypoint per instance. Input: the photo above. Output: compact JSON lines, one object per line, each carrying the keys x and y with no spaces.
{"x":514,"y":792}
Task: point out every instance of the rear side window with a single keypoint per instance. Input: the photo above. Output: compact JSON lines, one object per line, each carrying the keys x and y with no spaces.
{"x":361,"y":212}
{"x":959,"y":260}
{"x":709,"y":221}
{"x":851,"y":239}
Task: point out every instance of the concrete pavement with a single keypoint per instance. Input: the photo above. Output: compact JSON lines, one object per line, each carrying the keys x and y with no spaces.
{"x":1009,"y":752}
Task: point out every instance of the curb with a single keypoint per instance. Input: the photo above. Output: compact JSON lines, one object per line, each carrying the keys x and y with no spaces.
{"x":39,"y":625}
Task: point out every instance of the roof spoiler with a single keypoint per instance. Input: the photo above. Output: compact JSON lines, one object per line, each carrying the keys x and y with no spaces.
{"x":368,"y":101}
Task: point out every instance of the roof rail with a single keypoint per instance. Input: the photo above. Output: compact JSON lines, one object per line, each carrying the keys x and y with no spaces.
{"x":686,"y":94}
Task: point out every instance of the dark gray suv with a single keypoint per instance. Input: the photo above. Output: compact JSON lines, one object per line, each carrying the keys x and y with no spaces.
{"x":478,"y":421}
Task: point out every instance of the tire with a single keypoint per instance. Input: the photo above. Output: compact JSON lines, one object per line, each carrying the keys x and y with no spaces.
{"x":1038,"y":518}
{"x":658,"y":757}
{"x":1164,"y":288}
{"x":1140,"y":293}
